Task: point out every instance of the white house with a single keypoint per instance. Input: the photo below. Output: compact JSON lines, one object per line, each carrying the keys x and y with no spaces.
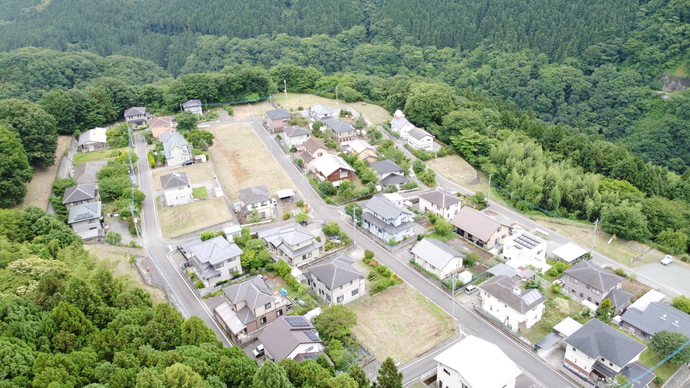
{"x":440,"y":202}
{"x":175,"y":148}
{"x":387,"y":221}
{"x":335,"y":280}
{"x":400,"y":124}
{"x":420,"y":139}
{"x":514,"y":307}
{"x":215,"y":260}
{"x":93,"y":140}
{"x":437,"y":257}
{"x":475,"y":363}
{"x":523,"y":249}
{"x":293,"y":243}
{"x":194,"y":106}
{"x":176,"y":189}
{"x":136,"y":115}
{"x":294,"y":135}
{"x":258,"y":199}
{"x":292,"y":337}
{"x":86,"y":220}
{"x":320,"y":112}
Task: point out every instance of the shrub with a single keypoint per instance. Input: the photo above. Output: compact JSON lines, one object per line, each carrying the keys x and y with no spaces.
{"x":471,"y":259}
{"x":113,"y":238}
{"x":286,"y":216}
{"x":410,"y":185}
{"x":384,"y":271}
{"x":382,"y":284}
{"x":621,"y":272}
{"x":368,"y":255}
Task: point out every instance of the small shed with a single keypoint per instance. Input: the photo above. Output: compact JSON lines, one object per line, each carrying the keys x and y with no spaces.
{"x":286,"y":195}
{"x":232,"y":231}
{"x":297,"y":274}
{"x":567,"y":327}
{"x":465,"y":277}
{"x":569,"y":253}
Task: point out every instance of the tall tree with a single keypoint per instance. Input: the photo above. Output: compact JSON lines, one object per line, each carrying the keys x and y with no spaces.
{"x":271,"y":375}
{"x":14,"y":169}
{"x":389,"y":377}
{"x":35,"y":128}
{"x":666,"y":343}
{"x":357,"y":373}
{"x":335,"y":321}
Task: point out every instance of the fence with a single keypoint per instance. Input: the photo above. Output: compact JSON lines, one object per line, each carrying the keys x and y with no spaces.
{"x":678,"y":379}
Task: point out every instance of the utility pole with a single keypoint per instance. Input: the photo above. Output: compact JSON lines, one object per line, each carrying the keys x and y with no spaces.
{"x":336,"y":94}
{"x":354,"y":225}
{"x":286,"y":100}
{"x":594,"y":237}
{"x":452,"y":297}
{"x":488,"y":197}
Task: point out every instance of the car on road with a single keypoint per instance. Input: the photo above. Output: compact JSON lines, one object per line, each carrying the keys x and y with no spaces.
{"x":471,"y":289}
{"x":668,"y":259}
{"x":259,"y":351}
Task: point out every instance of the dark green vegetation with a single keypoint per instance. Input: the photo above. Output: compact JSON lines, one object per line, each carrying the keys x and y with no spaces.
{"x":66,"y":321}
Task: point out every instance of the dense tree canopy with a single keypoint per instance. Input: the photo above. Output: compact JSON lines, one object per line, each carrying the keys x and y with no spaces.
{"x":14,"y":170}
{"x":35,"y":128}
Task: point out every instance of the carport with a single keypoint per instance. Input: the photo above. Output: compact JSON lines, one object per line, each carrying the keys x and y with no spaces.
{"x":548,"y":341}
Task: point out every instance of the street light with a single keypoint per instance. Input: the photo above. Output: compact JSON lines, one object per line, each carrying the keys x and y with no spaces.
{"x":488,"y":197}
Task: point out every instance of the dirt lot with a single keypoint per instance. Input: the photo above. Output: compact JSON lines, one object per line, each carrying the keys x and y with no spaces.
{"x":41,"y":184}
{"x":196,"y":173}
{"x":457,"y":170}
{"x":242,"y":161}
{"x":178,"y":220}
{"x":400,"y":323}
{"x":246,"y":111}
{"x":117,"y":259}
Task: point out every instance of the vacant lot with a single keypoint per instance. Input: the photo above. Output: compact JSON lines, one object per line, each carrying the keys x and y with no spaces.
{"x":372,"y":113}
{"x":195,"y":173}
{"x":246,"y":111}
{"x":178,"y":220}
{"x":242,"y":161}
{"x":117,"y":259}
{"x":41,"y":185}
{"x":109,"y":154}
{"x":400,"y":323}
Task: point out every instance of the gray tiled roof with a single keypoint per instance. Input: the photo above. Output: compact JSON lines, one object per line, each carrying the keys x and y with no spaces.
{"x":171,"y":140}
{"x":440,"y":198}
{"x":253,"y":291}
{"x":321,"y":110}
{"x":418,"y":133}
{"x":435,"y":252}
{"x":398,"y":123}
{"x":656,"y":317}
{"x":277,"y":114}
{"x":84,"y":212}
{"x":394,"y":179}
{"x":191,"y":103}
{"x":79,"y":193}
{"x":86,"y":172}
{"x":280,"y":338}
{"x":382,"y":206}
{"x":619,"y":298}
{"x":255,"y":194}
{"x":597,"y":339}
{"x":294,"y":131}
{"x":286,"y":237}
{"x":476,"y":223}
{"x":389,"y":228}
{"x":213,"y":251}
{"x":594,"y":276}
{"x":338,"y":126}
{"x":502,"y":287}
{"x":638,"y":374}
{"x":386,"y":166}
{"x":174,"y":180}
{"x":135,"y":111}
{"x":335,"y":271}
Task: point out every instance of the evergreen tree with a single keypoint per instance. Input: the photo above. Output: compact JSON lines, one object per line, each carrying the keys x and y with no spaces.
{"x":271,"y":375}
{"x":389,"y":377}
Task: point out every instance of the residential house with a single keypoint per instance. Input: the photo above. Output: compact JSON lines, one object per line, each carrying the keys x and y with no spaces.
{"x":80,"y":194}
{"x":86,"y":220}
{"x":293,"y":243}
{"x":389,"y":173}
{"x":333,"y":168}
{"x":335,"y":279}
{"x":194,"y":106}
{"x":295,"y":136}
{"x":176,"y":149}
{"x":136,"y":115}
{"x":176,"y":189}
{"x":161,"y":125}
{"x":86,"y":172}
{"x":258,"y":199}
{"x":291,"y":337}
{"x":251,"y":305}
{"x":277,"y":119}
{"x":570,"y":253}
{"x":598,"y":352}
{"x":475,"y":363}
{"x":395,"y":198}
{"x":93,"y":140}
{"x":514,"y":307}
{"x":479,"y":228}
{"x":387,"y":221}
{"x":343,"y":131}
{"x":655,"y":317}
{"x":320,"y":113}
{"x":215,"y":260}
{"x":523,"y":248}
{"x":588,"y":282}
{"x":441,"y":203}
{"x":400,"y":124}
{"x":310,"y":151}
{"x":420,"y":139}
{"x":437,"y":258}
{"x":361,"y":149}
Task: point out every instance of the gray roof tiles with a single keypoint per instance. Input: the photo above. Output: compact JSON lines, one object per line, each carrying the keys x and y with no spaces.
{"x":476,"y":223}
{"x":191,"y":103}
{"x":501,"y":287}
{"x":385,"y":208}
{"x":394,"y":179}
{"x":135,"y":111}
{"x":597,"y":339}
{"x":399,"y":122}
{"x":386,"y":166}
{"x":277,"y":114}
{"x":656,"y":317}
{"x":213,"y":251}
{"x":86,"y":172}
{"x":295,"y":131}
{"x":253,"y":291}
{"x":84,"y":212}
{"x":280,"y":338}
{"x":440,"y":198}
{"x":435,"y":252}
{"x":335,"y":271}
{"x":255,"y":194}
{"x":79,"y":193}
{"x":418,"y":133}
{"x":594,"y":276}
{"x":338,"y":126}
{"x":174,"y":180}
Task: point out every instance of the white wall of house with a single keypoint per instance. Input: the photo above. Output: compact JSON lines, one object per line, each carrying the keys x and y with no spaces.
{"x":226,"y":268}
{"x":178,"y":155}
{"x":508,"y":316}
{"x":424,"y":143}
{"x":178,"y":196}
{"x":447,"y":213}
{"x":577,"y":358}
{"x":294,"y":141}
{"x":342,"y":294}
{"x":197,"y":110}
{"x":522,"y":256}
{"x":405,"y":130}
{"x":447,"y":377}
{"x":313,"y":347}
{"x":265,"y":209}
{"x":453,"y":266}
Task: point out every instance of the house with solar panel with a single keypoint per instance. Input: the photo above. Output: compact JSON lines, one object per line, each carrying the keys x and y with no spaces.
{"x":509,"y":304}
{"x":335,"y":280}
{"x":213,"y":260}
{"x":294,"y":337}
{"x":523,"y":249}
{"x":86,"y":220}
{"x":293,"y":243}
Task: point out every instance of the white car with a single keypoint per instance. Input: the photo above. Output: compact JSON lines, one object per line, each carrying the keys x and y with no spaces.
{"x":668,"y":259}
{"x":259,"y":351}
{"x":559,"y":282}
{"x":470,"y":289}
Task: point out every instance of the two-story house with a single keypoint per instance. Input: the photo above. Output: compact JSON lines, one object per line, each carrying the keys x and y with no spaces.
{"x":588,"y":282}
{"x":310,"y":151}
{"x":214,"y":260}
{"x":334,"y":169}
{"x":320,"y":113}
{"x":176,"y":149}
{"x":94,"y":139}
{"x":441,"y":203}
{"x":437,"y":257}
{"x":335,"y":279}
{"x":479,"y":228}
{"x":251,"y":305}
{"x":176,"y":189}
{"x":400,"y":124}
{"x":343,"y":131}
{"x":389,"y":173}
{"x":86,"y":220}
{"x":291,"y":337}
{"x":523,"y":248}
{"x":294,"y":136}
{"x":387,"y":221}
{"x":79,"y":194}
{"x":258,"y":199}
{"x":194,"y":106}
{"x":598,"y":352}
{"x":136,"y":115}
{"x":277,"y":119}
{"x":420,"y":139}
{"x":514,"y":307}
{"x":161,"y":125}
{"x":361,"y":149}
{"x":293,"y":243}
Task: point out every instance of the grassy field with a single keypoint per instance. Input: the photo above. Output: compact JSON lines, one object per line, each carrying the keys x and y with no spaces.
{"x":400,"y":323}
{"x":558,"y":307}
{"x":457,"y":170}
{"x":109,"y":154}
{"x":41,"y":185}
{"x":195,"y":173}
{"x":243,"y":161}
{"x":178,"y":220}
{"x":200,"y":192}
{"x":373,"y":113}
{"x":117,"y":259}
{"x":664,"y":371}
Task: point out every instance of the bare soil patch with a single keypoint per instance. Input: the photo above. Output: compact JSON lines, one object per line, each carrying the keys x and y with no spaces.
{"x":178,"y":220}
{"x":246,"y":111}
{"x":41,"y":185}
{"x":400,"y":323}
{"x":455,"y":169}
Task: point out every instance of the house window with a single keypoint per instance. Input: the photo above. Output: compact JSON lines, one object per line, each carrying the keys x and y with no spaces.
{"x":340,"y":299}
{"x":355,"y":291}
{"x":267,"y":306}
{"x":572,"y":279}
{"x":343,"y":174}
{"x":309,"y":349}
{"x":587,"y":286}
{"x":446,"y":371}
{"x":262,"y":320}
{"x":279,"y":312}
{"x":581,"y":295}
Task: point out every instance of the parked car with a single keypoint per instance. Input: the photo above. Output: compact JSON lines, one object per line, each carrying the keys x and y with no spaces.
{"x":668,"y":259}
{"x":471,"y":289}
{"x":188,"y":162}
{"x":259,"y":351}
{"x":559,"y":282}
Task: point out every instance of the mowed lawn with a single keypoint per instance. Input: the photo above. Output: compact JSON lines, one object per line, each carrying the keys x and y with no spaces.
{"x":241,"y":160}
{"x":109,"y":154}
{"x":400,"y":323}
{"x":41,"y":185}
{"x":372,"y":113}
{"x":178,"y":220}
{"x":195,"y":173}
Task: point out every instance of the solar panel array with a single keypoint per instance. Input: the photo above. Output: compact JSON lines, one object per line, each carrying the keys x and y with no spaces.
{"x":312,"y":335}
{"x":297,"y":321}
{"x":531,"y":297}
{"x":528,"y":241}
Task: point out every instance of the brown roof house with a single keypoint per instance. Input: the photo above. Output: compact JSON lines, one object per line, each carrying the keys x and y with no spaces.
{"x":277,"y":119}
{"x":335,"y":280}
{"x":79,"y":194}
{"x":291,"y":337}
{"x":293,"y":243}
{"x":334,"y":169}
{"x":310,"y":151}
{"x":441,"y":203}
{"x":249,"y":306}
{"x":588,"y":282}
{"x":479,"y":228}
{"x":161,"y":125}
{"x":514,"y":307}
